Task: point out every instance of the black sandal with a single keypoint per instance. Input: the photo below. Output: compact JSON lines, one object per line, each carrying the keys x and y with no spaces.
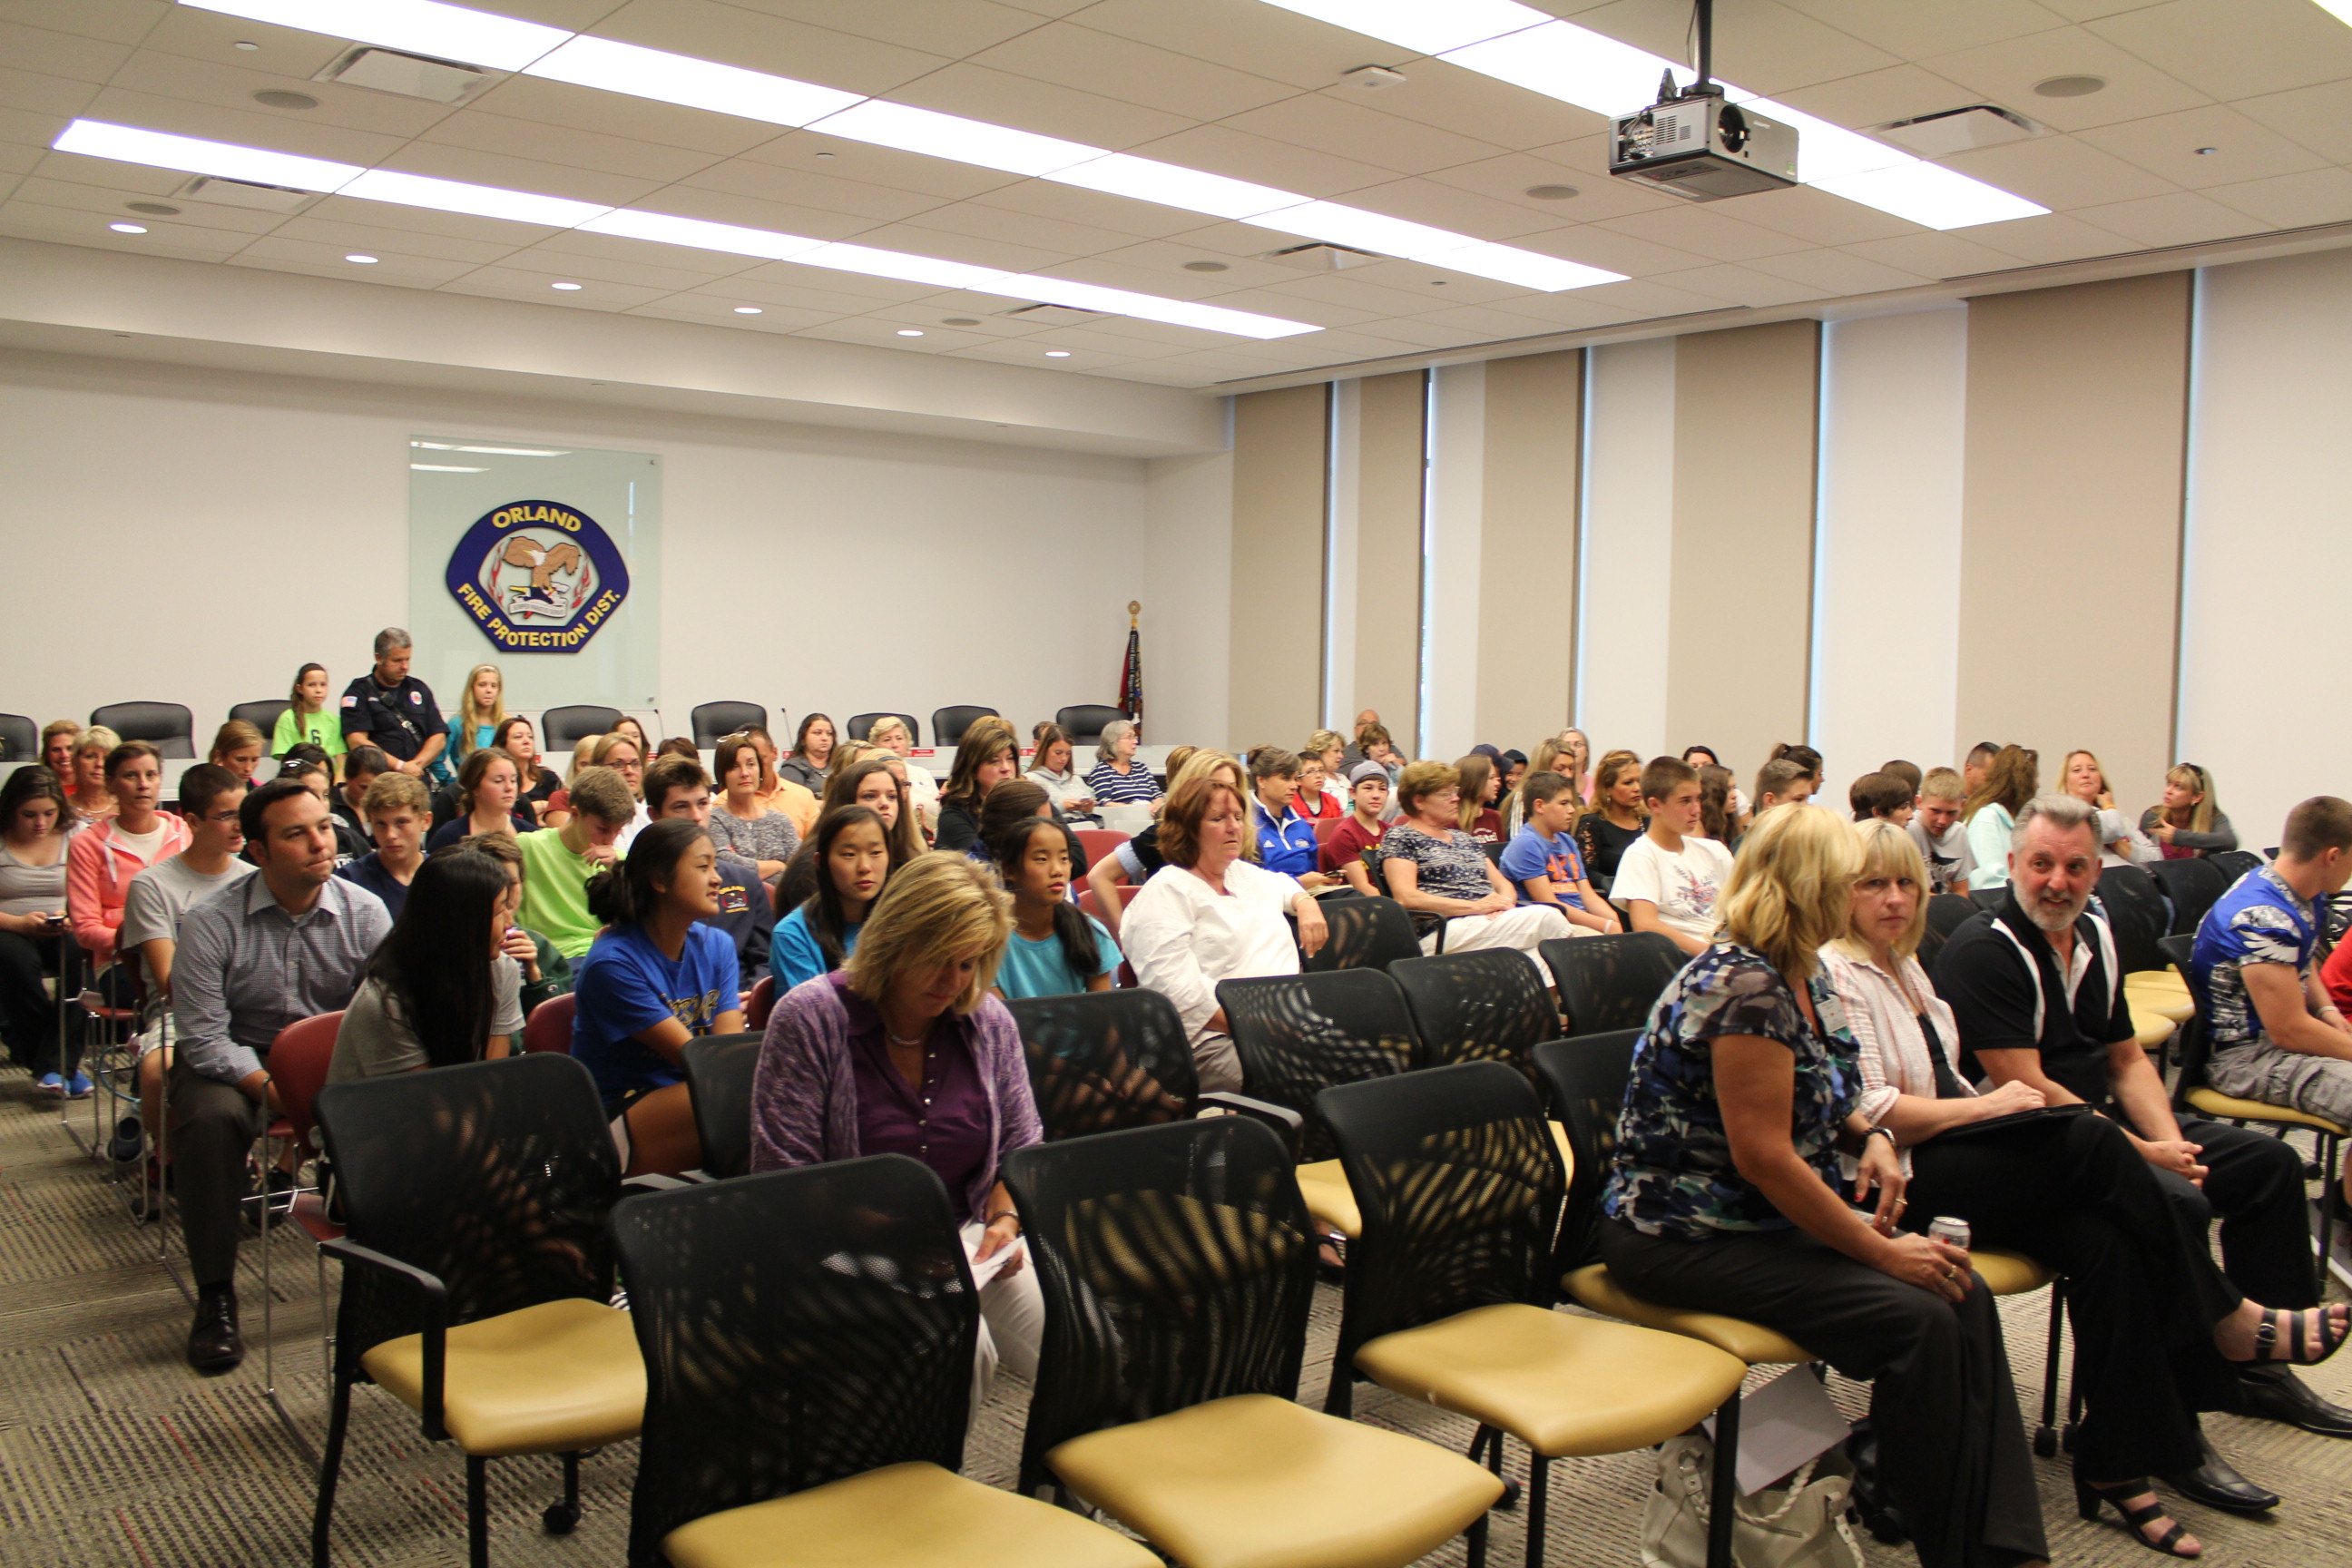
{"x":2303,"y":1351}
{"x":2089,"y":1496}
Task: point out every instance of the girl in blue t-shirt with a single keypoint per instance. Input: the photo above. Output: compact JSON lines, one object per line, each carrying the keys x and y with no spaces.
{"x":1055,"y":947}
{"x":853,"y":856}
{"x":656,"y":979}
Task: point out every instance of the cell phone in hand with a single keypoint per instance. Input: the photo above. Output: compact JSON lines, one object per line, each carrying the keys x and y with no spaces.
{"x":55,"y":922}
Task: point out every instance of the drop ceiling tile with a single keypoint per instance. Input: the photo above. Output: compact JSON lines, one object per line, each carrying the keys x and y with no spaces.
{"x":127,"y":180}
{"x":1175,"y":82}
{"x":505,"y":171}
{"x":2319,"y":118}
{"x":1165,"y":260}
{"x":1418,"y":277}
{"x":1697,"y":229}
{"x":1572,"y":312}
{"x":281,"y":255}
{"x":251,"y":126}
{"x":1949,"y":254}
{"x":164,"y":237}
{"x":2006,"y":72}
{"x":1643,"y":301}
{"x":718,"y":310}
{"x":1875,"y":97}
{"x":780,"y":217}
{"x":1744,"y":286}
{"x":1155,"y":373}
{"x":948,"y":27}
{"x":116,"y":21}
{"x":1839,"y":271}
{"x":505,"y":235}
{"x":2242,"y":150}
{"x":1449,"y":207}
{"x":737,"y":36}
{"x":108,"y":206}
{"x":1325,"y":299}
{"x":1469,"y":103}
{"x":1816,"y":215}
{"x":2235,"y":49}
{"x":1172,"y":283}
{"x":69,"y":56}
{"x":1122,"y":215}
{"x":1605,"y":245}
{"x":1765,"y":47}
{"x":1244,"y":35}
{"x":412,"y":240}
{"x":1049,"y":109}
{"x":533,"y":287}
{"x":2062,"y":172}
{"x":2051,"y":236}
{"x":1245,"y":156}
{"x":16,"y":160}
{"x":1919,"y":27}
{"x":187,"y":31}
{"x":636,"y":261}
{"x":27,"y":127}
{"x":1575,"y":164}
{"x":1006,"y":238}
{"x":823,"y":293}
{"x":58,"y":97}
{"x":2092,"y":10}
{"x":2184,"y":218}
{"x":605,"y":113}
{"x":567,"y":147}
{"x":813,"y":153}
{"x":1356,"y":131}
{"x":1081,"y":361}
{"x":233,"y":87}
{"x":874,"y":334}
{"x":2292,"y":201}
{"x":764,"y":194}
{"x":1498,"y":325}
{"x":1133,"y":337}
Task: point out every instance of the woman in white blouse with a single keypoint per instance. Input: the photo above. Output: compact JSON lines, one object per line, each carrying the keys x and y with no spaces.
{"x":2154,"y":1318}
{"x":1208,"y":914}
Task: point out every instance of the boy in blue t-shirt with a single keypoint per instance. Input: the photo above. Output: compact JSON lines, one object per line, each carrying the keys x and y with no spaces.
{"x":1541,"y":861}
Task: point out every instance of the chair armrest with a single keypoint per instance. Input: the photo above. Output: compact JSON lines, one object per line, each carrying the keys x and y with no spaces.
{"x":1288,"y":1124}
{"x":432,"y":1317}
{"x":654,"y":1181}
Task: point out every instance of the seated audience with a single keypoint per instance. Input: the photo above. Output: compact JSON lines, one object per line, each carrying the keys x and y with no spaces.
{"x":1328,"y":747}
{"x":288,"y":943}
{"x":1117,"y":778}
{"x":475,"y":726}
{"x":677,"y":746}
{"x":107,"y":854}
{"x":658,"y":975}
{"x":1943,"y":839}
{"x":777,"y":792}
{"x":1705,"y":757}
{"x":1457,"y":898}
{"x":545,"y":971}
{"x":236,"y":746}
{"x":1808,"y":761}
{"x":1575,"y":760}
{"x":557,"y":865}
{"x":2154,"y":1316}
{"x":1012,"y":802}
{"x":1514,"y":769}
{"x":1055,"y":948}
{"x":2011,"y":779}
{"x":1882,"y":797}
{"x":394,"y":711}
{"x":1481,"y":787}
{"x":1782,"y":782}
{"x":363,"y":765}
{"x":1138,"y":859}
{"x":1909,"y":773}
{"x":889,"y":734}
{"x":559,"y":804}
{"x":87,"y":784}
{"x":1978,"y":764}
{"x":307,"y":720}
{"x":398,"y":810}
{"x":2119,"y":844}
{"x":58,"y":751}
{"x":37,"y":823}
{"x":1369,"y":719}
{"x":2190,"y":823}
{"x":1315,"y":800}
{"x":307,"y":765}
{"x":904,"y":1051}
{"x":1379,"y":748}
{"x":2035,"y":989}
{"x":1615,"y":823}
{"x":622,"y":755}
{"x":1541,"y":861}
{"x":516,"y":739}
{"x":741,"y":824}
{"x":212,"y":803}
{"x":1285,"y":840}
{"x":489,"y":799}
{"x":1672,"y":881}
{"x":1056,"y":770}
{"x":877,"y":783}
{"x":812,"y":755}
{"x":1725,"y":1195}
{"x":985,"y":757}
{"x":677,"y":790}
{"x":851,"y":860}
{"x":442,"y":989}
{"x":1209,"y":915}
{"x":1717,"y":818}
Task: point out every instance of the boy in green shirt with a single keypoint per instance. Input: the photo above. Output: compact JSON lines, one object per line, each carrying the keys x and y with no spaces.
{"x":557,"y":865}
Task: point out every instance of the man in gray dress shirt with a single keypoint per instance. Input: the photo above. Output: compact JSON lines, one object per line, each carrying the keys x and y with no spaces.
{"x":285,"y":945}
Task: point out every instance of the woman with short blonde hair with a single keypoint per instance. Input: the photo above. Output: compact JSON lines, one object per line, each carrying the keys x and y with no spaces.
{"x":91,"y":798}
{"x":889,"y":734}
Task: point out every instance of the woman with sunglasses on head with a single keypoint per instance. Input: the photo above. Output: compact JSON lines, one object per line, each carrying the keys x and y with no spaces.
{"x":2190,"y":823}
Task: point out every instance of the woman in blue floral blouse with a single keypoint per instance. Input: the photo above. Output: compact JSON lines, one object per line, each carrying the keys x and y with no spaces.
{"x":1726,"y":1196}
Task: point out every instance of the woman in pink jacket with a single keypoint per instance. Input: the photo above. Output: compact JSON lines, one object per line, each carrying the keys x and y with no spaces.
{"x":107,"y":854}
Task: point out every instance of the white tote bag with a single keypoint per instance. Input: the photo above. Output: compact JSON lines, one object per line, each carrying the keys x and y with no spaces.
{"x":1797,"y":1523}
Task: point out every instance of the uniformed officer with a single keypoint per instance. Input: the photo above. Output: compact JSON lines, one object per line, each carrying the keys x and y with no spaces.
{"x":391,"y":709}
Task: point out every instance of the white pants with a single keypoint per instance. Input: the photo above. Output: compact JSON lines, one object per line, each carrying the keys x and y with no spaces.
{"x":1011,"y":1324}
{"x":1521,"y":928}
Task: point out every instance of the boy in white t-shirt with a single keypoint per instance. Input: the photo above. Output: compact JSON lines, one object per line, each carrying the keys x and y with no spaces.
{"x":1670,"y":880}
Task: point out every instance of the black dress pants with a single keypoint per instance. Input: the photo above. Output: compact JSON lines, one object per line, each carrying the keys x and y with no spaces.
{"x":2141,"y":1287}
{"x":214,"y":1125}
{"x":1950,"y":1441}
{"x":28,"y":1013}
{"x":2254,"y":1183}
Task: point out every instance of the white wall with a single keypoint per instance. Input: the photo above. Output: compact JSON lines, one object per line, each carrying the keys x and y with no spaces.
{"x":1629,"y":525}
{"x":1187,"y":562}
{"x":206,"y":533}
{"x":2269,"y":551}
{"x":1455,"y":531}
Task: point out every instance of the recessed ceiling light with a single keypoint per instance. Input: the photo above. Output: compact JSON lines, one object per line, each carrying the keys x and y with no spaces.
{"x":246,"y":44}
{"x":278,"y":98}
{"x":567,"y":288}
{"x":128,"y":228}
{"x":2207,"y":151}
{"x":747,"y":310}
{"x":1437,"y":282}
{"x":1550,"y":193}
{"x":959,"y":321}
{"x":361,"y":259}
{"x":828,"y":154}
{"x":909,"y":332}
{"x":1058,"y":354}
{"x":1206,"y":267}
{"x":152,"y":209}
{"x":2070,"y":86}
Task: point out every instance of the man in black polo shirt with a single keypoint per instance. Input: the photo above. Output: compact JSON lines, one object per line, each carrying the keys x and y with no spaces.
{"x":2038,"y":993}
{"x":394,"y":711}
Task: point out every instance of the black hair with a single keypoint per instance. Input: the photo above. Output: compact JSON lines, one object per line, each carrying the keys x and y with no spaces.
{"x":363,"y":760}
{"x":1071,"y":927}
{"x":629,"y":892}
{"x":1712,"y":754}
{"x":827,"y":921}
{"x":1013,"y":801}
{"x":199,"y":787}
{"x":436,"y":962}
{"x":35,"y":781}
{"x":250,"y":816}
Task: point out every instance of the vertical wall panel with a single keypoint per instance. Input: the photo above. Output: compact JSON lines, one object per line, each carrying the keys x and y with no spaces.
{"x":1392,"y":413}
{"x":2071,"y":545}
{"x":1527,"y":561}
{"x":1745,"y":408}
{"x":1341,"y":555}
{"x":1625,"y":592}
{"x":1457,"y":488}
{"x":1886,"y":624}
{"x":1281,"y":441}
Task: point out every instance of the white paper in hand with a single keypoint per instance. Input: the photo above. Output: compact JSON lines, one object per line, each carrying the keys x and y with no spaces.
{"x":987,"y":1268}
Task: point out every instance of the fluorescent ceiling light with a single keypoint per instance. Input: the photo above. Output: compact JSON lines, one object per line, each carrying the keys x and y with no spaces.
{"x":1509,"y":264}
{"x":1931,"y":195}
{"x":1575,"y":65}
{"x":1365,"y":230}
{"x":1150,"y":307}
{"x":160,"y":150}
{"x":1148,"y":179}
{"x":501,"y":451}
{"x":481,"y":201}
{"x":951,"y":136}
{"x":444,"y":469}
{"x":698,"y":84}
{"x":664,"y":229}
{"x":420,"y":26}
{"x":2340,"y":9}
{"x":1431,"y":28}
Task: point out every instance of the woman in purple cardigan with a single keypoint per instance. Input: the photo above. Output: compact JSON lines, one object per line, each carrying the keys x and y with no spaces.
{"x":904,"y":1051}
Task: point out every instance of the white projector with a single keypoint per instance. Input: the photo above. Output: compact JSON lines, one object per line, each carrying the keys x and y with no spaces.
{"x":1701,"y":148}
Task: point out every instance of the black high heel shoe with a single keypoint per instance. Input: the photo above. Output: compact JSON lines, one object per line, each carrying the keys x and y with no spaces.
{"x":2088,"y":1497}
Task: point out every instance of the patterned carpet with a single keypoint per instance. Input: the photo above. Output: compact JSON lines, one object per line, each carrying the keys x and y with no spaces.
{"x":114,"y":1454}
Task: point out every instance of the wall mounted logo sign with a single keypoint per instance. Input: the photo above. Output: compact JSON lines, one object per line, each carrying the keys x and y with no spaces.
{"x":538,"y":576}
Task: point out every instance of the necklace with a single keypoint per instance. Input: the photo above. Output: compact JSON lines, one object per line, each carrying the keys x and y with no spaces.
{"x":909,"y":1045}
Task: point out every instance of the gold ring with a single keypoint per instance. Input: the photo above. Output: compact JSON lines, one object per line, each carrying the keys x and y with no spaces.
{"x":1951,"y":1274}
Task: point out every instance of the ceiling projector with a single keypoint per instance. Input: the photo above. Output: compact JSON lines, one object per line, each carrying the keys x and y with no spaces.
{"x":1693,"y":145}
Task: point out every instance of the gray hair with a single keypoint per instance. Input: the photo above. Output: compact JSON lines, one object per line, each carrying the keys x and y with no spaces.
{"x":389,"y":638}
{"x":1107,"y":743}
{"x":2061,"y":811}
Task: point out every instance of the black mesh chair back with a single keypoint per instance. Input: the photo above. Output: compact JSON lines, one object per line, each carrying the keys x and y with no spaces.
{"x":1946,"y":912}
{"x":1177,"y":1268}
{"x":1460,"y":1184}
{"x":1084,"y":722}
{"x":1365,"y":933}
{"x":2192,"y":886}
{"x":497,"y":1176}
{"x":948,"y":724}
{"x":560,"y":729}
{"x":718,"y":1072}
{"x":1989,"y":898}
{"x":2195,"y":1046}
{"x":1585,"y":1080}
{"x":1298,"y":1034}
{"x":2135,"y":912}
{"x":1609,"y":983}
{"x":2234,"y":864}
{"x":169,"y":727}
{"x":1100,"y":1061}
{"x":798,"y":1327}
{"x":20,"y":739}
{"x":860,"y":725}
{"x":713,"y":722}
{"x":263,"y":716}
{"x":1485,"y":1005}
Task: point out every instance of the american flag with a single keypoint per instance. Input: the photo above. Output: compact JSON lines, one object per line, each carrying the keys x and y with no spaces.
{"x":1130,"y":674}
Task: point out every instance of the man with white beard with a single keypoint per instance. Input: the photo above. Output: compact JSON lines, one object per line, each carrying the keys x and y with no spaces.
{"x":2037,"y":990}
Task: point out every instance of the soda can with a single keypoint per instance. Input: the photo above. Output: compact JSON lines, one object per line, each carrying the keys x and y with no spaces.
{"x":1945,"y":1228}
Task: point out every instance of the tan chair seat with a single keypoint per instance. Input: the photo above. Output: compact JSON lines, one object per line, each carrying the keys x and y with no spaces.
{"x":2160,"y":991}
{"x":2150,"y":1029}
{"x":549,"y":1379}
{"x":1562,"y":1384}
{"x":1330,"y":1201}
{"x":2008,"y":1273}
{"x":2221,"y":1107}
{"x":1751,"y":1343}
{"x":902,"y":1514}
{"x":1252,"y":1481}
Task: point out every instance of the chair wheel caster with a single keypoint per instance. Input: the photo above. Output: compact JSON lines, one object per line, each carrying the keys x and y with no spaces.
{"x":2312,"y":1173}
{"x":1510,"y":1498}
{"x":560,"y":1518}
{"x":2045,"y":1442}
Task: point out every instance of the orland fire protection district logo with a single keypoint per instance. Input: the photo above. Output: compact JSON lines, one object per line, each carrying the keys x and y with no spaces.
{"x":538,"y":577}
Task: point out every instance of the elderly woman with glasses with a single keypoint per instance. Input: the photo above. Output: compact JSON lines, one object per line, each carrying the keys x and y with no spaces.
{"x":1117,"y":778}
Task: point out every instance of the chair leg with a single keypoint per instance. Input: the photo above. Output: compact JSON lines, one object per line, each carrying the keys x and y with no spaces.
{"x":2330,"y":1155}
{"x":1538,"y":1472}
{"x":478,"y":1511}
{"x":1487,"y":1448}
{"x":1475,"y":1554}
{"x":560,"y":1518}
{"x":2045,"y":1436}
{"x":338,"y":1417}
{"x":1723,"y":1492}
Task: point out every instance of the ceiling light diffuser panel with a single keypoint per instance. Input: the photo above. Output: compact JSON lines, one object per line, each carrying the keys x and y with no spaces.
{"x":697,"y":84}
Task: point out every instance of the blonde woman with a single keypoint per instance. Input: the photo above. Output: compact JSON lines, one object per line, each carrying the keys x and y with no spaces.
{"x":1725,"y":1194}
{"x":91,"y":798}
{"x":888,"y":733}
{"x":2119,"y":843}
{"x":2190,"y":821}
{"x":479,"y":712}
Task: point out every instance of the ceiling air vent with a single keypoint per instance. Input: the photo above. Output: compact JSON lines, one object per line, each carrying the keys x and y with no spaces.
{"x":409,"y":76}
{"x":1320,"y":257}
{"x":1951,"y":131}
{"x":246,"y":194}
{"x":1051,"y":315}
